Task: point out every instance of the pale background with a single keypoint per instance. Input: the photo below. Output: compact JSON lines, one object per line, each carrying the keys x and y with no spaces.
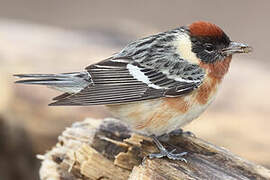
{"x":38,"y":36}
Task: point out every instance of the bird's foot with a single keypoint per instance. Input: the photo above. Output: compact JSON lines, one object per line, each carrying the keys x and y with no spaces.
{"x":179,"y":132}
{"x":165,"y":153}
{"x":170,"y":155}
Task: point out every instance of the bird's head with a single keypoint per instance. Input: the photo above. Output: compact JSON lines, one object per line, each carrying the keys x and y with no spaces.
{"x":210,"y":44}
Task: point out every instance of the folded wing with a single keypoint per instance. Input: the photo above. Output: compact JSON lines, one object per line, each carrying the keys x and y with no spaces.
{"x":123,"y":80}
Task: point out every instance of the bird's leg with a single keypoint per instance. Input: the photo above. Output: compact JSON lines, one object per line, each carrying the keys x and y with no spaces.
{"x":163,"y":152}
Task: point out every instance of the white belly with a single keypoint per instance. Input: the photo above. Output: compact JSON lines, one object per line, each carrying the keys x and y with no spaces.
{"x":158,"y":116}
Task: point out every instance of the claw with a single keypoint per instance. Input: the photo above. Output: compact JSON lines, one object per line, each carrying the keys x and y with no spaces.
{"x":156,"y":155}
{"x":173,"y":151}
{"x":165,"y":153}
{"x":177,"y":156}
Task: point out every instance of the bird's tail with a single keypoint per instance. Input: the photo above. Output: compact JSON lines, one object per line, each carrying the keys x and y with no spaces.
{"x":66,"y":82}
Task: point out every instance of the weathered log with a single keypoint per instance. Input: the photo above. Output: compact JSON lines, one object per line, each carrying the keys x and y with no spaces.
{"x":96,"y":149}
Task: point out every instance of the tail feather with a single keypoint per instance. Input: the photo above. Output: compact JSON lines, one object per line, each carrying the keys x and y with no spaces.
{"x":66,"y":82}
{"x":41,"y":75}
{"x":49,"y":82}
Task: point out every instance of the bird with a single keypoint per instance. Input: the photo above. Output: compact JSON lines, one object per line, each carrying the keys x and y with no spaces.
{"x":155,"y":84}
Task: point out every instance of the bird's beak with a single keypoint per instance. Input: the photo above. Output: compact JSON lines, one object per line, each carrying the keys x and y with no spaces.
{"x":236,"y":47}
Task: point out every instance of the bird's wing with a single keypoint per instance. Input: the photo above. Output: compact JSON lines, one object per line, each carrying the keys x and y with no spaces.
{"x":145,"y":69}
{"x":117,"y":81}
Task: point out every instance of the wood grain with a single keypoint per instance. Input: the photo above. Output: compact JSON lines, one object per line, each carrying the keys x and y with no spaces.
{"x":96,"y":149}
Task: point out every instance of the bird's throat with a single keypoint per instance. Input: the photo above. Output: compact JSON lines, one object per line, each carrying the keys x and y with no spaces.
{"x":218,"y":69}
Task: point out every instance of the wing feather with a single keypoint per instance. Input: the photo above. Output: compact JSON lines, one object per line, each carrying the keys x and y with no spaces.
{"x":114,"y":83}
{"x":111,"y":84}
{"x":145,"y":69}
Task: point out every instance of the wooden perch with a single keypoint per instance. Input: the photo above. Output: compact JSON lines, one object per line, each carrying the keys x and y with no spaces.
{"x":107,"y":150}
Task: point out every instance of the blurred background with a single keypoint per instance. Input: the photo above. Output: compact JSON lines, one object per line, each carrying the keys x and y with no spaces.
{"x":38,"y":36}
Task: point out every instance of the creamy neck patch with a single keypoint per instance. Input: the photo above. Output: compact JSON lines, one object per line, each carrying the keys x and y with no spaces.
{"x":183,"y":45}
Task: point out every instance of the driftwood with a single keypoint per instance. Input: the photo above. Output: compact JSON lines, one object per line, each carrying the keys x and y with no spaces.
{"x":105,"y":150}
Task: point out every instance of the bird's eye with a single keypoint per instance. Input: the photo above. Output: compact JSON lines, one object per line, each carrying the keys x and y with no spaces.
{"x":209,"y":47}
